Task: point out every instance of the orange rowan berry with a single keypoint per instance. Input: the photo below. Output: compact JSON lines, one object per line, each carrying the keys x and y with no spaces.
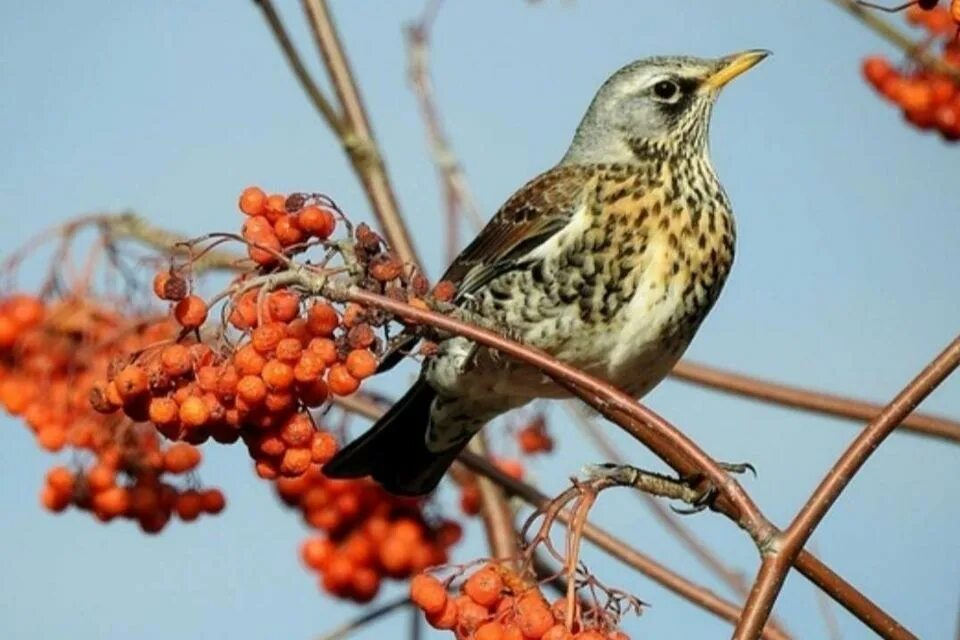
{"x":295,"y":461}
{"x":276,"y":207}
{"x":26,"y":311}
{"x":447,"y":618}
{"x":51,"y":438}
{"x":60,"y":479}
{"x":279,"y":401}
{"x":189,"y":505}
{"x":112,"y":502}
{"x":386,"y":268}
{"x":278,"y":376}
{"x":181,"y":457}
{"x":484,"y":587}
{"x":53,"y":500}
{"x":322,"y":319}
{"x":297,"y":328}
{"x":112,"y":394}
{"x":267,"y":469}
{"x":283,"y":305}
{"x":361,"y":363}
{"x":248,"y":362}
{"x":428,"y":593}
{"x":589,"y":634}
{"x":265,"y":338}
{"x":288,"y":350}
{"x":557,"y":632}
{"x":263,"y":246}
{"x":317,"y":222}
{"x":353,"y":315}
{"x":169,"y":286}
{"x":876,"y":70}
{"x":313,"y":394}
{"x":534,"y":617}
{"x":325,"y":349}
{"x":253,"y":201}
{"x":175,"y":360}
{"x":191,"y":312}
{"x":243,"y":314}
{"x":340,"y":381}
{"x":271,"y":446}
{"x":489,"y":631}
{"x":212,"y":501}
{"x":470,"y":499}
{"x":395,"y":555}
{"x":309,"y":367}
{"x":316,"y":552}
{"x":444,"y":291}
{"x":338,"y":573}
{"x":364,"y":584}
{"x":194,"y":412}
{"x":100,"y":477}
{"x":288,"y":231}
{"x":298,"y":430}
{"x":470,"y":615}
{"x":323,"y":447}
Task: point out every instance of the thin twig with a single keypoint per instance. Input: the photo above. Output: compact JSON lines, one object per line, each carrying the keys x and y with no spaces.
{"x":815,"y":401}
{"x":365,"y":618}
{"x":825,"y":606}
{"x":358,"y":140}
{"x":307,"y":83}
{"x":780,"y":556}
{"x":495,"y":511}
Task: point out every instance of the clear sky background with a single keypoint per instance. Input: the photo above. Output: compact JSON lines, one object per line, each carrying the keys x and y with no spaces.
{"x":846,"y":277}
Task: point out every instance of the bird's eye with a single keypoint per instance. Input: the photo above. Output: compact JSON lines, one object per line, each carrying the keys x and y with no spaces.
{"x":666,"y":90}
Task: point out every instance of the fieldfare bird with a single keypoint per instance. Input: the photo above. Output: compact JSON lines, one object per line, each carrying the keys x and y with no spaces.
{"x":609,"y":261}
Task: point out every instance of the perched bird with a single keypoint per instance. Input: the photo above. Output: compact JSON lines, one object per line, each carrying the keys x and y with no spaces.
{"x":609,"y":261}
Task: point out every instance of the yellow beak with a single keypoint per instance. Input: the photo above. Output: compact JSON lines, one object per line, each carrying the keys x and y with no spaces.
{"x":732,"y":66}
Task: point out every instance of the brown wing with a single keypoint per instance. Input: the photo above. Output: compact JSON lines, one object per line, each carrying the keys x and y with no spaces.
{"x":532,"y":215}
{"x":529,"y":218}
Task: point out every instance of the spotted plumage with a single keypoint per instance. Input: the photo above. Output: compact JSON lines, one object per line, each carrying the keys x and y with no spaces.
{"x":609,"y":261}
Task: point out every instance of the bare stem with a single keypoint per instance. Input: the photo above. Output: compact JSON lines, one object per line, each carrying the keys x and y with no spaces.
{"x":357,"y":138}
{"x":815,"y":401}
{"x":781,"y":556}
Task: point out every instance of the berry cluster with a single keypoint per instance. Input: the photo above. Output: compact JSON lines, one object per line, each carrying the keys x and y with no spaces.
{"x":51,"y":355}
{"x":495,"y":603}
{"x":366,"y":534}
{"x":929,"y":99}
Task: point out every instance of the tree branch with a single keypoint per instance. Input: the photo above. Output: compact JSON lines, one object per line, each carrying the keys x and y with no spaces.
{"x":780,"y":556}
{"x":358,"y":140}
{"x":814,"y":401}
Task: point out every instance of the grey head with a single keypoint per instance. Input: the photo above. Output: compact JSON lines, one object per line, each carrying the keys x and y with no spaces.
{"x":654,"y":108}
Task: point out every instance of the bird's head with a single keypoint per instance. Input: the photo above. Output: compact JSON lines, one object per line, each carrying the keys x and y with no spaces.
{"x":655,"y":107}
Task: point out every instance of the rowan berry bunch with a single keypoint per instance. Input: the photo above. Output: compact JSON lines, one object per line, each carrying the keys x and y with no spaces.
{"x":366,"y":535}
{"x":51,"y":355}
{"x":497,"y":603}
{"x":930,"y":100}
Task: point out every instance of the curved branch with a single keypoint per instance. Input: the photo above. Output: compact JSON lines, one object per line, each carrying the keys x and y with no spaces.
{"x":777,"y":562}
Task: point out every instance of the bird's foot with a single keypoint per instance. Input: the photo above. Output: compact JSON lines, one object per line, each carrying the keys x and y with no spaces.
{"x":708,"y":495}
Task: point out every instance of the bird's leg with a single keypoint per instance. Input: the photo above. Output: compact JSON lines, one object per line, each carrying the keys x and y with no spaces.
{"x":657,"y":484}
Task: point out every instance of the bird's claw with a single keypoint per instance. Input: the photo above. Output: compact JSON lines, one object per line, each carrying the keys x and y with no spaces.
{"x":709,"y":495}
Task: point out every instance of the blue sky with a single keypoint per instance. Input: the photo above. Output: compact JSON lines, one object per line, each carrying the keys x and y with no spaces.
{"x":845,"y":276}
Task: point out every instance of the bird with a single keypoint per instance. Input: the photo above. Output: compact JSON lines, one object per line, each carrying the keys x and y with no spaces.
{"x":609,"y":261}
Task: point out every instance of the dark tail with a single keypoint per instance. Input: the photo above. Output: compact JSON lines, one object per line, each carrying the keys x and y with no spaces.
{"x":394,"y":450}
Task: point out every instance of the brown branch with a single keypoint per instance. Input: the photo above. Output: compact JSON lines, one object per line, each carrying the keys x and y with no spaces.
{"x":780,"y":557}
{"x":358,"y":140}
{"x":815,"y":401}
{"x":307,"y":83}
{"x":905,"y":43}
